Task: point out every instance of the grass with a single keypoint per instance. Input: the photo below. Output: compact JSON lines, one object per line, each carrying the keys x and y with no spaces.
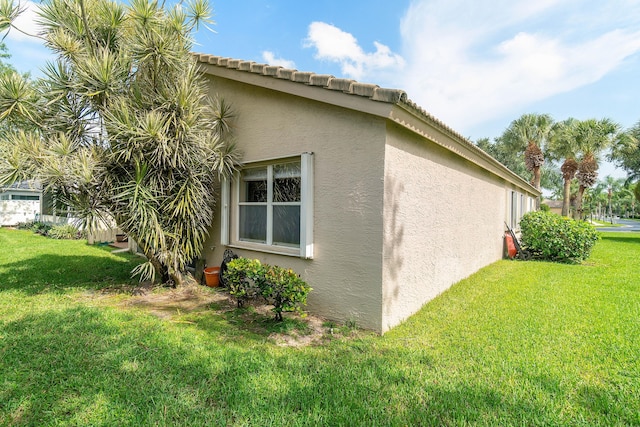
{"x":518,"y":343}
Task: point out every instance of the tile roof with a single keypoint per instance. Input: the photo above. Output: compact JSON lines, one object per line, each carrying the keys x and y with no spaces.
{"x":327,"y":81}
{"x":24,"y":185}
{"x":348,"y":86}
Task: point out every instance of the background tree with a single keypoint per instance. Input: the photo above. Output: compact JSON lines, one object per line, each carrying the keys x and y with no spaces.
{"x":592,"y":138}
{"x":121,"y":127}
{"x":563,"y":146}
{"x":5,"y":66}
{"x":514,"y":160}
{"x":529,"y":135}
{"x":626,"y":155}
{"x":612,"y":188}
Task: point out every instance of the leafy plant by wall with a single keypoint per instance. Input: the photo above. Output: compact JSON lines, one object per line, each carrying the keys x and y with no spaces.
{"x":245,"y":279}
{"x":555,"y":238}
{"x":280,"y":287}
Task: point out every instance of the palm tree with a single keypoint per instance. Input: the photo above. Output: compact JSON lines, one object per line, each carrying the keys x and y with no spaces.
{"x":626,"y":152}
{"x":529,"y":135}
{"x":123,"y":127}
{"x":562,"y":145}
{"x":612,"y":186}
{"x":592,"y":137}
{"x":636,"y":197}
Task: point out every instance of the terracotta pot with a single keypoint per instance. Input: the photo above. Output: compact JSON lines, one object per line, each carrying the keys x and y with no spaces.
{"x":212,"y":276}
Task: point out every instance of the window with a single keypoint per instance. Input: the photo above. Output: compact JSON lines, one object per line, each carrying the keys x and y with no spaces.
{"x":270,"y":207}
{"x":514,"y":210}
{"x":21,"y":197}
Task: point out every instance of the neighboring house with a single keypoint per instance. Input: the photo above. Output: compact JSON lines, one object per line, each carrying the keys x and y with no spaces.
{"x":555,"y":206}
{"x":379,"y":206}
{"x":20,"y":202}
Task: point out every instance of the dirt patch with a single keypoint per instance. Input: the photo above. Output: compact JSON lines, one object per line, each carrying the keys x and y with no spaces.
{"x":166,"y":303}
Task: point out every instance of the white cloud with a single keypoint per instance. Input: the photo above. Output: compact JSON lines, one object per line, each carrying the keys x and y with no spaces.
{"x":26,"y":22}
{"x":335,"y":45}
{"x":270,"y":58}
{"x":481,"y":59}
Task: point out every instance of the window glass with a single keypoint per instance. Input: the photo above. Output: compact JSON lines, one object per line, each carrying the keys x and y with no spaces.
{"x":253,"y":223}
{"x":21,"y":197}
{"x":286,"y":183}
{"x":254,"y":185}
{"x":286,"y":225}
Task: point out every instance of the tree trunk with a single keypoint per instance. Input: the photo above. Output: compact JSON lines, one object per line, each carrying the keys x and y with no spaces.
{"x":578,"y":214}
{"x":566,"y":197}
{"x":536,"y":177}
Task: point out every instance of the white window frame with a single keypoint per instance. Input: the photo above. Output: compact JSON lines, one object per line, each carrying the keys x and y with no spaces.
{"x":230,"y":211}
{"x":513,"y":212}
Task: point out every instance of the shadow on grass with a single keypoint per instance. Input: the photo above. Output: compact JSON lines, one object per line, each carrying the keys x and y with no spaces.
{"x":86,"y":366}
{"x":49,"y":273}
{"x":621,"y":237}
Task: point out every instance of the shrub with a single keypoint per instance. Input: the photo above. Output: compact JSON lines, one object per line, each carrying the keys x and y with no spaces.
{"x":64,"y":231}
{"x":244,"y":279}
{"x":280,"y":287}
{"x":24,"y":225}
{"x":40,"y":228}
{"x":545,"y":207}
{"x":285,"y":290}
{"x":555,"y":238}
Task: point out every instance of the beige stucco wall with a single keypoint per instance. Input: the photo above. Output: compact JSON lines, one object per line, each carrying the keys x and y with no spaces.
{"x":346,"y":270}
{"x":402,"y":208}
{"x":444,"y":220}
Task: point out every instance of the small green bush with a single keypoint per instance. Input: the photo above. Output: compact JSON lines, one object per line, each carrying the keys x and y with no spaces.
{"x":285,"y":290}
{"x":245,"y":279}
{"x":280,"y":287}
{"x":545,"y":207}
{"x":40,"y":228}
{"x":552,"y":237}
{"x":64,"y":231}
{"x":24,"y":225}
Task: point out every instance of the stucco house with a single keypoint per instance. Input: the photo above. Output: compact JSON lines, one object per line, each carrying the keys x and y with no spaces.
{"x":20,"y":202}
{"x":377,"y":204}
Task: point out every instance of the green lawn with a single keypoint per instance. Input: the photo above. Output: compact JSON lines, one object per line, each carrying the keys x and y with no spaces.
{"x":518,"y":343}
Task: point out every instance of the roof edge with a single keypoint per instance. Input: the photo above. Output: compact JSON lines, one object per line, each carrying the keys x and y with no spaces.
{"x":326,"y":81}
{"x":420,"y":112}
{"x":370,"y":91}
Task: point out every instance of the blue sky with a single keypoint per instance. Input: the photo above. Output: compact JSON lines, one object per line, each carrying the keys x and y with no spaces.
{"x":475,"y":64}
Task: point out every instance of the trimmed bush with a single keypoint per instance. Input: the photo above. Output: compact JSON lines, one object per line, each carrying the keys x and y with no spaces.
{"x":285,"y":290}
{"x":280,"y":287}
{"x":245,"y":279}
{"x":552,"y":237}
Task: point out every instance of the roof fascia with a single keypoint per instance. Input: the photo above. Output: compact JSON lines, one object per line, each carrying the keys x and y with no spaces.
{"x":337,"y":97}
{"x":416,"y":120}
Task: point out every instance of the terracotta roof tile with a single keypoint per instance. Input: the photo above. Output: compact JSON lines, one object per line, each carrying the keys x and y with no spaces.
{"x":349,"y":86}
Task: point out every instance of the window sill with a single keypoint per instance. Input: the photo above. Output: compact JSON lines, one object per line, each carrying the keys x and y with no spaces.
{"x":257,"y":247}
